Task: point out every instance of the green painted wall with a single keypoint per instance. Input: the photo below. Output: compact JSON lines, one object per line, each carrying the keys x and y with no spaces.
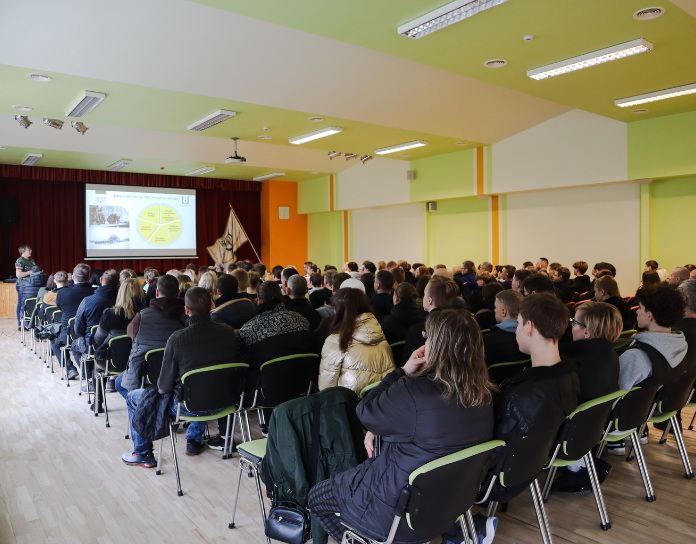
{"x":458,"y":231}
{"x":325,"y":238}
{"x":672,"y":236}
{"x":662,"y":147}
{"x":313,"y":195}
{"x":443,"y":176}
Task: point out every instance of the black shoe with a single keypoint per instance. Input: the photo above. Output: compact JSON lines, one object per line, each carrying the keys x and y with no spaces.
{"x":217,"y":443}
{"x":73,"y":374}
{"x":193,"y":447}
{"x":134,"y":460}
{"x":573,"y":482}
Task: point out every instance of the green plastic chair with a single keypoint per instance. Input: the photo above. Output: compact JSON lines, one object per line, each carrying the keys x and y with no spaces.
{"x":499,"y":372}
{"x":250,"y":456}
{"x":64,"y":353}
{"x":628,"y":333}
{"x":397,"y":351}
{"x":28,"y":306}
{"x":368,"y":388}
{"x":118,"y":353}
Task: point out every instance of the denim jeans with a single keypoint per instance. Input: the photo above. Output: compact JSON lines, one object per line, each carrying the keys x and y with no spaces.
{"x":79,"y":348}
{"x":144,"y":447}
{"x":19,"y":305}
{"x":119,"y":388}
{"x":57,"y":344}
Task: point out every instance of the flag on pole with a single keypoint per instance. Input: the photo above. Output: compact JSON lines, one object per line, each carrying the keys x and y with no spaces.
{"x":224,"y":249}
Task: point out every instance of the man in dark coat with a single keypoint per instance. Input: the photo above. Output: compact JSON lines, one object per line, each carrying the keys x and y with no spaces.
{"x":382,"y":298}
{"x":607,"y":290}
{"x":469,"y":277}
{"x":297,"y":301}
{"x":236,"y":308}
{"x":563,"y":285}
{"x":500,"y":345}
{"x":403,"y":314}
{"x":583,"y":282}
{"x":321,"y":297}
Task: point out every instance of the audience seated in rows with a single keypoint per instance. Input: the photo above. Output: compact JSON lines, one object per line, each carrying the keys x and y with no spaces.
{"x":485,"y":317}
{"x":232,"y":307}
{"x":500,"y":345}
{"x":320,"y":296}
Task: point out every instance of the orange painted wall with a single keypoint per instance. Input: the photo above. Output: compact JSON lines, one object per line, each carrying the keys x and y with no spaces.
{"x":283,"y":241}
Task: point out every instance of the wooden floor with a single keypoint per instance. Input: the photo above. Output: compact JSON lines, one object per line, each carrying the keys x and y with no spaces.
{"x":62,"y":480}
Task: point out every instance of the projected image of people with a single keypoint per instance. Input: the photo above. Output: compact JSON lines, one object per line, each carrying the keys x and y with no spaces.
{"x":109,"y":226}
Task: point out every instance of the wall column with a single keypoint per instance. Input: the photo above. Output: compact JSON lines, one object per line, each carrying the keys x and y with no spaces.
{"x":644,"y":223}
{"x":283,"y":241}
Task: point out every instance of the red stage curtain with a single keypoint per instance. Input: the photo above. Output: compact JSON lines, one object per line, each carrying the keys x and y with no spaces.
{"x":51,"y":214}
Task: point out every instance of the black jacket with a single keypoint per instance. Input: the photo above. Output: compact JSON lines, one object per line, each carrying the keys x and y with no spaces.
{"x":29,"y":288}
{"x":303,"y":307}
{"x":582,"y":284}
{"x":414,"y":337}
{"x":201,"y":344}
{"x":320,"y":297}
{"x":111,"y":324}
{"x":624,"y":310}
{"x":91,"y":309}
{"x":688,"y":327}
{"x":565,"y":290}
{"x":68,"y":300}
{"x":382,"y":303}
{"x":417,"y":426}
{"x":597,"y":366}
{"x":500,"y":346}
{"x":401,"y":317}
{"x":235,"y":311}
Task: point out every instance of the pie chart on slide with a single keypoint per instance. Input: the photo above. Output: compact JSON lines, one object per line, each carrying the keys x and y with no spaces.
{"x":159,"y":225}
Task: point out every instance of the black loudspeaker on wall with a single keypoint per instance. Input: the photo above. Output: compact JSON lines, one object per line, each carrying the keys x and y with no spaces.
{"x":9,"y":211}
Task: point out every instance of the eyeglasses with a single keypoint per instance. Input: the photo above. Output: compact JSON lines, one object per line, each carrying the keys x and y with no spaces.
{"x":425,"y":335}
{"x":573,"y":321}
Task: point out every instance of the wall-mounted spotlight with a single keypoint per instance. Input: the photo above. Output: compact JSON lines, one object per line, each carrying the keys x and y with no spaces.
{"x":53,"y":123}
{"x":366,"y":158}
{"x":23,"y":121}
{"x":79,"y":127}
{"x":351,"y":156}
{"x":333,"y":154}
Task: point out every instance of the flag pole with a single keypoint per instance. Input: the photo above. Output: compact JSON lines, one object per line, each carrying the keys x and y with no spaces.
{"x":245,"y":232}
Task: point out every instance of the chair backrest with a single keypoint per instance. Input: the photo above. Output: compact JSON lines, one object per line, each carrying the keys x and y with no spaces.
{"x":49,"y":312}
{"x":523,"y":461}
{"x":284,"y":378}
{"x":366,"y":389}
{"x":29,"y":305}
{"x":634,"y":408}
{"x":446,"y":488}
{"x":71,"y":328}
{"x":485,"y":331}
{"x":118,"y":353}
{"x":397,"y":350}
{"x":153,"y":364}
{"x":214,"y":387}
{"x":673,"y":397}
{"x":92,"y":331}
{"x":499,"y":372}
{"x":628,"y":333}
{"x":585,"y":427}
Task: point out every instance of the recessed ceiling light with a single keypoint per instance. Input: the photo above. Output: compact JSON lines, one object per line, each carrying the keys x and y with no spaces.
{"x":459,"y":143}
{"x":118,"y":165}
{"x":646,"y":14}
{"x":405,"y":155}
{"x":39,"y":77}
{"x":495,"y":63}
{"x":269,"y":176}
{"x":86,"y":103}
{"x":315,"y":119}
{"x":657,"y":95}
{"x":445,"y":16}
{"x":211,"y":120}
{"x":263,"y":137}
{"x":608,"y":54}
{"x":31,"y":159}
{"x":643,"y":110}
{"x":79,"y":127}
{"x":22,"y":108}
{"x":400,"y":147}
{"x":200,"y":171}
{"x":53,"y":123}
{"x":321,"y":133}
{"x":23,"y":121}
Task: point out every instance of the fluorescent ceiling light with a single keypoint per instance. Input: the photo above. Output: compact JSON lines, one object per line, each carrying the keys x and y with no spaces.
{"x":328,"y":131}
{"x":400,"y":147}
{"x":31,"y":158}
{"x":657,"y":95}
{"x":118,"y":165}
{"x":591,"y":59}
{"x":86,"y":103}
{"x":269,"y":176}
{"x":445,"y":16}
{"x":200,"y":171}
{"x":211,"y":120}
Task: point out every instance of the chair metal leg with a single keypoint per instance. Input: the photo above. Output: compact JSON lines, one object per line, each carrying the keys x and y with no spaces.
{"x":682,"y":448}
{"x":691,"y":425}
{"x":246,"y":419}
{"x":179,"y":492}
{"x":228,"y":438}
{"x":465,"y":531}
{"x":96,"y":383}
{"x":492,"y":507}
{"x":159,"y":458}
{"x":236,"y":496}
{"x":260,"y":495}
{"x":597,"y":490}
{"x":548,"y":483}
{"x":663,"y":438}
{"x":470,"y":524}
{"x":541,"y":513}
{"x":106,"y":408}
{"x":649,"y":493}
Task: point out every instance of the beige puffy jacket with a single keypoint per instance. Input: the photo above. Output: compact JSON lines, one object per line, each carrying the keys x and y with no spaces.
{"x":368,"y":359}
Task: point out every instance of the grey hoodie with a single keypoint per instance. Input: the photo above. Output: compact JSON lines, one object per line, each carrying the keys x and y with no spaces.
{"x":635,"y":365}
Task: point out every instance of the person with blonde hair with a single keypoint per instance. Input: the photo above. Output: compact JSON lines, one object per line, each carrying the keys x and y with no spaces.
{"x":381,"y":265}
{"x":439,"y":403}
{"x":208,"y":281}
{"x":185,"y":284}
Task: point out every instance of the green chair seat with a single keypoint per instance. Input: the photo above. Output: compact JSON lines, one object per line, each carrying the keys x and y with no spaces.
{"x":253,"y":450}
{"x":662,"y":417}
{"x":227,"y":411}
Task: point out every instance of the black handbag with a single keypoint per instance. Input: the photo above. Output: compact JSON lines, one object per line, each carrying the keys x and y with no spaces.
{"x":288,"y":521}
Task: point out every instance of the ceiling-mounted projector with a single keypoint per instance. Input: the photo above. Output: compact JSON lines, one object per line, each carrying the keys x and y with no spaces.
{"x":235,"y":159}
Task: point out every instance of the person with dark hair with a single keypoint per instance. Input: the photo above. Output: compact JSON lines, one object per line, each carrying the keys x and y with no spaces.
{"x":277,"y":272}
{"x":261,"y":269}
{"x":399,"y":276}
{"x":246,"y":265}
{"x":356,"y":353}
{"x":236,"y":308}
{"x":500,"y":344}
{"x":538,"y":283}
{"x":328,"y":309}
{"x":403,"y":314}
{"x":254,"y":282}
{"x":231,"y":267}
{"x":288,"y":272}
{"x":382,"y":298}
{"x":519,"y":277}
{"x":650,"y":279}
{"x":54,"y":283}
{"x":507,"y":274}
{"x":320,"y":297}
{"x":678,"y":275}
{"x":421,"y":284}
{"x":297,"y":301}
{"x":368,"y":280}
{"x":651,"y":266}
{"x":437,"y":404}
{"x":485,"y":316}
{"x":353,"y":269}
{"x":368,"y":266}
{"x":583,"y":282}
{"x":200,"y":345}
{"x":563,"y":285}
{"x":542,"y":264}
{"x":316,"y":281}
{"x":151,"y":328}
{"x":126,"y":274}
{"x":68,"y":301}
{"x":607,"y":290}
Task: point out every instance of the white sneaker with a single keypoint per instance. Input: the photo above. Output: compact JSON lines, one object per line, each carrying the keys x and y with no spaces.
{"x":644,"y":437}
{"x":616,"y":448}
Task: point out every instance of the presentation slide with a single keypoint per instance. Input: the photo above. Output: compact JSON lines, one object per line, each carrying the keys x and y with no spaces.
{"x":126,"y":222}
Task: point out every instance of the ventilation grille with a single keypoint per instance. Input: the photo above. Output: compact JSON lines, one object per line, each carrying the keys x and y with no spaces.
{"x":495,"y":63}
{"x":22,"y":108}
{"x":642,"y":110}
{"x":119,"y":165}
{"x":200,"y":171}
{"x":31,"y":158}
{"x":86,"y":103}
{"x":648,"y":13}
{"x":211,"y":120}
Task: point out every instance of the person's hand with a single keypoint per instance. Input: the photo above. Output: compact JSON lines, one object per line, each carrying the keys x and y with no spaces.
{"x":416,"y":361}
{"x":369,"y":443}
